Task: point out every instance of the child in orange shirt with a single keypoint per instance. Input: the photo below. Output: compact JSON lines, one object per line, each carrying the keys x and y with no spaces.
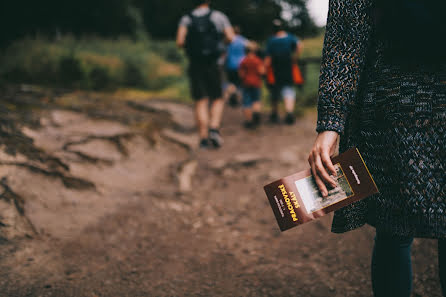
{"x":251,"y":71}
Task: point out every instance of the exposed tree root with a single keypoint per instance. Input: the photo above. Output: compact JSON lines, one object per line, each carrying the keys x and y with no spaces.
{"x":68,"y":181}
{"x":116,"y":140}
{"x":11,"y":197}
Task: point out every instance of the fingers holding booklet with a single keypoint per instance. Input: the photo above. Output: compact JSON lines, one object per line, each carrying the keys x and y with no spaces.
{"x":296,"y":199}
{"x":320,"y":161}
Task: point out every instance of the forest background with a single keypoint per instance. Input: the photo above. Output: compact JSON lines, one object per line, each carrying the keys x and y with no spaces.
{"x":110,"y":45}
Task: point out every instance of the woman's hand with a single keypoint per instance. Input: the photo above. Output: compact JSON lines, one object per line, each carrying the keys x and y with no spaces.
{"x":320,"y":161}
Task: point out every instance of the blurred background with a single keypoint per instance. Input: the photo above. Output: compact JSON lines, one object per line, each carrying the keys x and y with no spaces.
{"x":106,"y":45}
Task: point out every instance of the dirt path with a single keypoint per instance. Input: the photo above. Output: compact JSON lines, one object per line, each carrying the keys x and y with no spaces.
{"x":120,"y":203}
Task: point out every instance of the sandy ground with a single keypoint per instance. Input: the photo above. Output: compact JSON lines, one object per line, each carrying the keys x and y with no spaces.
{"x":127,"y":206}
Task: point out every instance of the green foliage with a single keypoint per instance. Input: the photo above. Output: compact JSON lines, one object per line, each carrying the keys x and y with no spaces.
{"x":92,"y":63}
{"x":99,"y":78}
{"x":71,"y":68}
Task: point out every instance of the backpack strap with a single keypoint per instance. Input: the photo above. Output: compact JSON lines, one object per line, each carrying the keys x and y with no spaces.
{"x":191,"y":17}
{"x":209,"y":14}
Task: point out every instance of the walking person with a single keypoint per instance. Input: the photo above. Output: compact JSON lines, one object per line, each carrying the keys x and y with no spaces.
{"x":282,"y":51}
{"x":234,"y":55}
{"x":385,"y":94}
{"x":251,"y":72}
{"x":202,"y":33}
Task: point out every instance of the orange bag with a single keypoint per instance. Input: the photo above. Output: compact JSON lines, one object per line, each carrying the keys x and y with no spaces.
{"x":298,"y":79}
{"x":270,"y":79}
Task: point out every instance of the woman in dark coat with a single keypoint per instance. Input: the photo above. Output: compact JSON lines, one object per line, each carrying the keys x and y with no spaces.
{"x":387,"y":96}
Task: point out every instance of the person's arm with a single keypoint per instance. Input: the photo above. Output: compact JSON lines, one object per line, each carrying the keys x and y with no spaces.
{"x":182,"y":31}
{"x":261,"y":68}
{"x":224,"y":25}
{"x":345,"y":46}
{"x":181,"y":36}
{"x":268,"y":61}
{"x":229,"y":34}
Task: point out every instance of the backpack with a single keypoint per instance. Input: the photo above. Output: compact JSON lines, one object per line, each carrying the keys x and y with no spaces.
{"x":203,"y":39}
{"x":412,"y":30}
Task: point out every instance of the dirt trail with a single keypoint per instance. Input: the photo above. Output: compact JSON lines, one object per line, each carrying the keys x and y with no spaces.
{"x":121,"y":203}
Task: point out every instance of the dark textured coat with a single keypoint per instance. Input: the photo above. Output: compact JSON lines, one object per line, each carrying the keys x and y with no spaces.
{"x":397,"y":119}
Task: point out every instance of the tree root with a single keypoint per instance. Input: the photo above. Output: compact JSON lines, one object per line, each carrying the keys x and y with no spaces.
{"x":11,"y":197}
{"x":116,"y":140}
{"x":68,"y":181}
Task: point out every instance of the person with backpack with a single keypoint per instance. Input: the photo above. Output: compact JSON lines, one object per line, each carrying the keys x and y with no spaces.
{"x":202,"y":34}
{"x":282,"y":51}
{"x":385,"y":94}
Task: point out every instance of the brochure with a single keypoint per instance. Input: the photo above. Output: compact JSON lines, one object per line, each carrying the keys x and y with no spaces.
{"x":296,"y":199}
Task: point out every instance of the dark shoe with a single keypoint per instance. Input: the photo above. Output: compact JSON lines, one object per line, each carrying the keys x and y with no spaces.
{"x":233,"y":100}
{"x":249,"y":125}
{"x":290,"y":119}
{"x":274,"y":118}
{"x":204,"y":143}
{"x":215,"y":138}
{"x":256,"y":118}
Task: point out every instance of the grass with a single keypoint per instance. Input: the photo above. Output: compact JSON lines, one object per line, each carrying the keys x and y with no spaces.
{"x":313,"y":46}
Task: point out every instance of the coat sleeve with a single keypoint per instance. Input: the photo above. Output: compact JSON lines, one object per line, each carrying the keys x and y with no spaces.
{"x":343,"y":58}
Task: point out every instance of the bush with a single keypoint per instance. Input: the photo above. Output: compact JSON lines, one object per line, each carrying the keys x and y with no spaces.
{"x":133,"y":76}
{"x":99,"y":78}
{"x":71,"y":70}
{"x":91,"y":63}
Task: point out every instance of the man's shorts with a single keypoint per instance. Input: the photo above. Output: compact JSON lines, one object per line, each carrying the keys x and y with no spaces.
{"x":233,"y":77}
{"x":283,"y":92}
{"x":205,"y":81}
{"x":250,"y":96}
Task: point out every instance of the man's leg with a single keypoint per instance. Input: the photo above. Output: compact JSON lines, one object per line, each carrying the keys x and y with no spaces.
{"x":289,"y":98}
{"x":217,"y":107}
{"x":229,"y":91}
{"x":256,"y":112}
{"x":275,"y":99}
{"x":256,"y":106}
{"x":247,"y":107}
{"x":232,"y":93}
{"x":198,"y":92}
{"x":202,"y":117}
{"x":213,"y":89}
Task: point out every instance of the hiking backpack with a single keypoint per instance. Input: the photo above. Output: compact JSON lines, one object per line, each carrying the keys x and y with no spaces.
{"x":203,"y":38}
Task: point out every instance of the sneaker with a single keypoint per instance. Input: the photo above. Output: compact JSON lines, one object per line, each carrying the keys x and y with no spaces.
{"x":274,"y":118}
{"x":215,"y":138}
{"x":290,"y":119}
{"x":204,"y":143}
{"x":256,"y":118}
{"x":233,"y":100}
